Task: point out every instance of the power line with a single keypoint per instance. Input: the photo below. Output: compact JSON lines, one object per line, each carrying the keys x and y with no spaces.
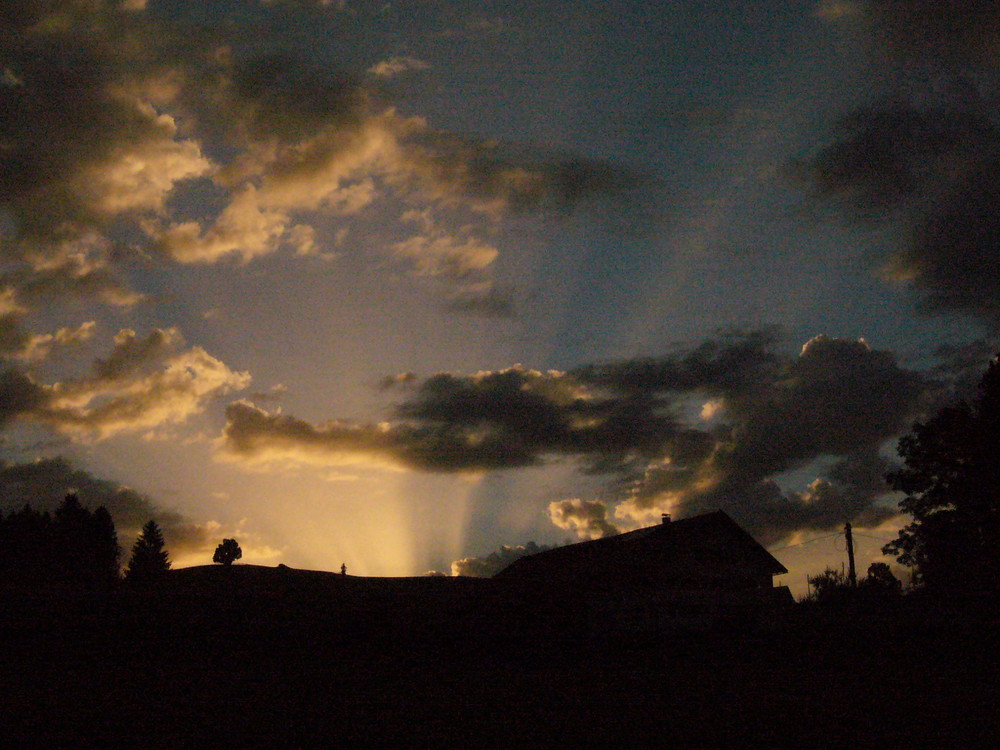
{"x":877,"y":538}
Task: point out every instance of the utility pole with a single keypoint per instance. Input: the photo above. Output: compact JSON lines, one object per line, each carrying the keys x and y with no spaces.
{"x":851,"y":573}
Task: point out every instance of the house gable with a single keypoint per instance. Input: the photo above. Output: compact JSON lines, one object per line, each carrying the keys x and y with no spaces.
{"x":707,"y":551}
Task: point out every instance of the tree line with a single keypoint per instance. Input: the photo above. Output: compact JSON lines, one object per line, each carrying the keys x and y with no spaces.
{"x":75,"y":545}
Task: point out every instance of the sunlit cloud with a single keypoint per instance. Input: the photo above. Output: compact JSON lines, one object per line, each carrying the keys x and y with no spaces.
{"x":39,"y":346}
{"x":395,"y":66}
{"x":142,"y":386}
{"x":838,"y":398}
{"x":586,"y":518}
{"x":120,"y":143}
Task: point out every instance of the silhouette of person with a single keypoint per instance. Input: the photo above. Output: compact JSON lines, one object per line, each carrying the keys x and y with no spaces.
{"x":343,"y":569}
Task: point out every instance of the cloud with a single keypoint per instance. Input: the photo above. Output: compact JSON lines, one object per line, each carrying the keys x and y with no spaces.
{"x":926,"y":157}
{"x":838,"y":398}
{"x":273,"y":394}
{"x":493,"y":563}
{"x":255,"y":436}
{"x":395,"y":66}
{"x":201,"y":145}
{"x":442,"y":255}
{"x":933,"y":170}
{"x":830,"y":409}
{"x":19,"y":395}
{"x":586,"y":518}
{"x":883,"y":157}
{"x":39,"y":346}
{"x":75,"y":269}
{"x":954,"y":253}
{"x":80,"y":147}
{"x":957,"y":33}
{"x":838,"y":10}
{"x":399,"y":380}
{"x":143,"y":385}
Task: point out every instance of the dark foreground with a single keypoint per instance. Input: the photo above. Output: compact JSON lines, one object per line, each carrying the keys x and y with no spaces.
{"x":357,"y":662}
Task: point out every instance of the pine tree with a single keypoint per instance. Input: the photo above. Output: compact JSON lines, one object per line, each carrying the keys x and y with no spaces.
{"x":149,"y":558}
{"x":104,"y":549}
{"x":85,"y":545}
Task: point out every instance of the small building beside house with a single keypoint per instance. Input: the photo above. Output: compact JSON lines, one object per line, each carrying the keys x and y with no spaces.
{"x":696,"y":573}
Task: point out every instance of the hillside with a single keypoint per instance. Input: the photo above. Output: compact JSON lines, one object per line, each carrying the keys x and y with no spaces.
{"x":270,"y":657}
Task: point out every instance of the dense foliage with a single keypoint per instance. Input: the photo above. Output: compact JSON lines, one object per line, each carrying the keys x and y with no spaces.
{"x":227,"y":552}
{"x":951,"y":479}
{"x":73,"y":545}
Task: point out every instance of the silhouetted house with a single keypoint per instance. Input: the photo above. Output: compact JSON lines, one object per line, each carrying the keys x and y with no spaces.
{"x":698,"y":572}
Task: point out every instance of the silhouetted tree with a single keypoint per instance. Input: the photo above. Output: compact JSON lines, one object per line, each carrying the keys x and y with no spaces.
{"x":74,"y":545}
{"x":951,"y":479}
{"x":227,"y":552}
{"x":829,"y":586}
{"x":103,"y":546}
{"x":86,"y":544}
{"x":26,"y":546}
{"x":149,"y":558}
{"x":880,"y":578}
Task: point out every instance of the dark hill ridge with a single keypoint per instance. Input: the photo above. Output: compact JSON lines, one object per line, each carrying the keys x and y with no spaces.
{"x":268,"y":603}
{"x":207,"y":579}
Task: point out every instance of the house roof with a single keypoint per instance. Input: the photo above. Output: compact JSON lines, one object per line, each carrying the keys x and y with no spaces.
{"x":675,"y":536}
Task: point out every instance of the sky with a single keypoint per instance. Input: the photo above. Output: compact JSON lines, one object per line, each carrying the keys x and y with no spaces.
{"x":409,"y":285}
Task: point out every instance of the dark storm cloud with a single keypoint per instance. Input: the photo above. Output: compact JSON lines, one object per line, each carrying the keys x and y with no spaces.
{"x":882,"y":158}
{"x":734,"y":362}
{"x":427,"y":444}
{"x":400,"y":380}
{"x":837,"y":398}
{"x":493,"y":420}
{"x":958,"y":373}
{"x":937,"y":173}
{"x":954,"y":33}
{"x":953,"y":257}
{"x":531,"y":181}
{"x":59,"y":276}
{"x":13,"y":337}
{"x":19,"y":395}
{"x":131,"y":353}
{"x":538,"y":414}
{"x":928,"y":156}
{"x":280,"y":95}
{"x":44,"y":483}
{"x":709,"y":427}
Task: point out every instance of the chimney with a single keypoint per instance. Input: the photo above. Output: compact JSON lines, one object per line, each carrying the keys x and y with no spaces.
{"x":665,"y":518}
